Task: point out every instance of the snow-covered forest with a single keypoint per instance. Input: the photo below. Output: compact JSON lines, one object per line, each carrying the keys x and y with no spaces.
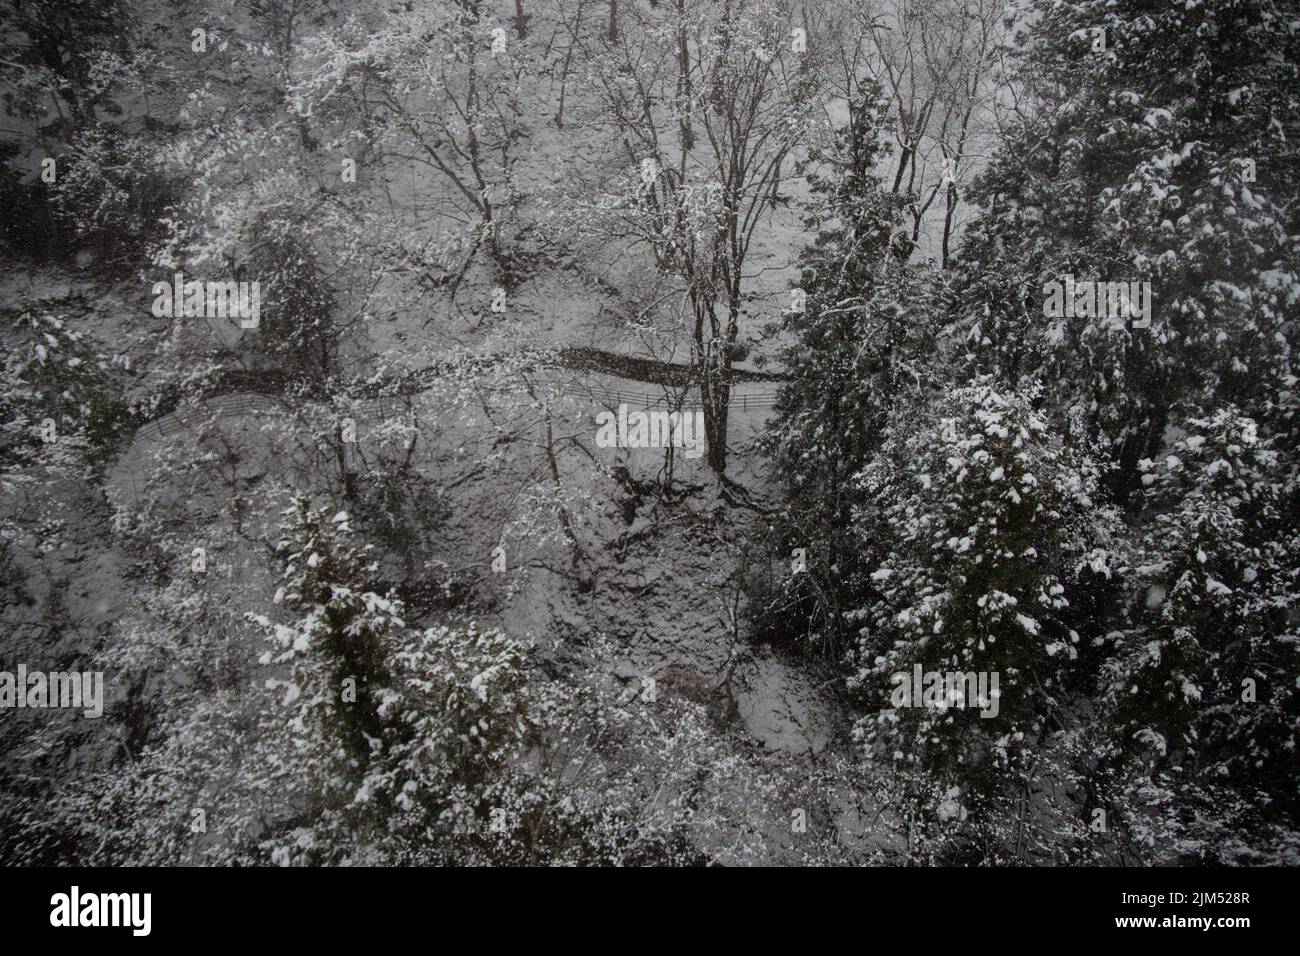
{"x":649,"y":432}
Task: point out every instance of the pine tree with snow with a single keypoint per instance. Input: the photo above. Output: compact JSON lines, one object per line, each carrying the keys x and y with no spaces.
{"x":1152,"y":144}
{"x":1149,"y":143}
{"x":988,"y":520}
{"x":1202,"y":688}
{"x":330,"y":664}
{"x":861,"y":322}
{"x":402,"y":745}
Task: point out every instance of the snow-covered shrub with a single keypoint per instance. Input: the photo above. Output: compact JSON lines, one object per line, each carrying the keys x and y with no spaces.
{"x":404,"y":746}
{"x":298,"y":331}
{"x":60,"y":398}
{"x":112,"y":192}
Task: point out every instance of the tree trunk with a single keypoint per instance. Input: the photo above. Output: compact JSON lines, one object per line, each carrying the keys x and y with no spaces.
{"x":715,"y":394}
{"x":713,"y":359}
{"x":684,"y":91}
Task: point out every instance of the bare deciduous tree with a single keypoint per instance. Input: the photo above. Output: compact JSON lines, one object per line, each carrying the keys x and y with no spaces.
{"x":710,"y":102}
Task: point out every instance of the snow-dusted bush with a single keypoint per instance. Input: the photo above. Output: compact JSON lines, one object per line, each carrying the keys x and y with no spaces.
{"x":61,"y":401}
{"x":358,"y":739}
{"x":112,"y":192}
